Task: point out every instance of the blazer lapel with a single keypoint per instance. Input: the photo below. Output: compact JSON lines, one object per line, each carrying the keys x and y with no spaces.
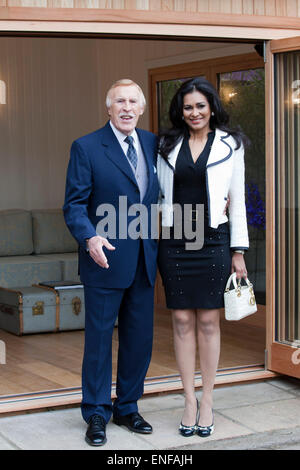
{"x":115,"y":153}
{"x":221,"y":150}
{"x":172,"y":158}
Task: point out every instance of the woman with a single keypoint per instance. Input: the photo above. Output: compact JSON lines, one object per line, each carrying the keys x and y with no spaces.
{"x":201,"y":161}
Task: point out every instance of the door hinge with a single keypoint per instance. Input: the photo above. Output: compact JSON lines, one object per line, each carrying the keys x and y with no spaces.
{"x":266,"y":359}
{"x":265,"y":51}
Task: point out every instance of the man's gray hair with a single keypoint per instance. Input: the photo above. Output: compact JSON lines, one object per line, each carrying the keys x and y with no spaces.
{"x":124,"y":82}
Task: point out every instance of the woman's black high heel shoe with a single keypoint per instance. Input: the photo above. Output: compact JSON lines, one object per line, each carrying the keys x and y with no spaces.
{"x":188,"y":431}
{"x":205,"y":431}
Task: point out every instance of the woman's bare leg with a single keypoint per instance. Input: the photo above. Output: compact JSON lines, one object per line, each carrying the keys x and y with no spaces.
{"x":208,"y":334}
{"x":184,"y":330}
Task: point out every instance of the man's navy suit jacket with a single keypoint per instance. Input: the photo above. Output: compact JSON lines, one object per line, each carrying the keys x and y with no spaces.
{"x":99,"y":173}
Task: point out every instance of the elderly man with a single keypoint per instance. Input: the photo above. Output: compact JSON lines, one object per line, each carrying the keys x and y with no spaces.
{"x":118,"y":273}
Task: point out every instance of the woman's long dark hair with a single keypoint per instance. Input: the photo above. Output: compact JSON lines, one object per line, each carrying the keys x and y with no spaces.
{"x":169,"y":138}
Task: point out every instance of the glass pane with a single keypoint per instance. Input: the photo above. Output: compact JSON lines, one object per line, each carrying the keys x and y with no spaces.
{"x":243,"y":96}
{"x":166,"y":89}
{"x":287,"y":134}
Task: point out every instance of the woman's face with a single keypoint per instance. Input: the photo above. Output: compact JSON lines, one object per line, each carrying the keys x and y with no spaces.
{"x":196,"y":111}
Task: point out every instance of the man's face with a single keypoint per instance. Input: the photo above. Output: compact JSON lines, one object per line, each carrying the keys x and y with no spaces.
{"x":125,"y":108}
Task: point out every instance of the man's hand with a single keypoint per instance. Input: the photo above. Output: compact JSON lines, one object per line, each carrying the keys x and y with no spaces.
{"x":95,"y":246}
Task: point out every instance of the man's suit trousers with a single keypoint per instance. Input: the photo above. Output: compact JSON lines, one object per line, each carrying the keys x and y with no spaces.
{"x":134,"y":308}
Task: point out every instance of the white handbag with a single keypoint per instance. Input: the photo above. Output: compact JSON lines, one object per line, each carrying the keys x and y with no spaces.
{"x":240,"y":301}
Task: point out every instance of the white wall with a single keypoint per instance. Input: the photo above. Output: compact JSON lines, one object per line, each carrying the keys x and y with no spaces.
{"x":51,"y":91}
{"x":56,"y":90}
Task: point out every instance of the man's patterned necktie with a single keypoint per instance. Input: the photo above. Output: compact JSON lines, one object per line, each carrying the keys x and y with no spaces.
{"x":131,"y":152}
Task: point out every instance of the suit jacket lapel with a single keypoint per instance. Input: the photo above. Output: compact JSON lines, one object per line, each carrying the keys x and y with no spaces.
{"x":221,"y":150}
{"x":115,"y":153}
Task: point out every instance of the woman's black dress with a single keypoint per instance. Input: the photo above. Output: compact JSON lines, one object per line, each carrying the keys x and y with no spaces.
{"x":194,"y":278}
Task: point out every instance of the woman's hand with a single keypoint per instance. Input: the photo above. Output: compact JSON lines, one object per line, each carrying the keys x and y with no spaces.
{"x":95,"y":245}
{"x":238,"y":265}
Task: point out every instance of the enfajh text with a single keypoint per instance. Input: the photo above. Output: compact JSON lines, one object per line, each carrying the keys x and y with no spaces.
{"x":155,"y":459}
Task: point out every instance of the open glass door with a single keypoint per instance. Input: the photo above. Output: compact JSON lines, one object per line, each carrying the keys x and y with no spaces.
{"x":283,"y":186}
{"x":240,"y":81}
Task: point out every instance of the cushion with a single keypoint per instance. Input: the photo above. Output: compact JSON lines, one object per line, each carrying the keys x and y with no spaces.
{"x":50,"y":233}
{"x":15,"y":232}
{"x":69,"y":264}
{"x":27,"y":270}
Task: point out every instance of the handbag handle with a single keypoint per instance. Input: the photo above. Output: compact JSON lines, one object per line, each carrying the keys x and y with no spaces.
{"x":232,"y":279}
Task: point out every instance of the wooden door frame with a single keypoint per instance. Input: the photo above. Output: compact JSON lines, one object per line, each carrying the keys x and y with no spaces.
{"x":277,"y":353}
{"x":211,"y":67}
{"x":142,"y":22}
{"x":135,"y":16}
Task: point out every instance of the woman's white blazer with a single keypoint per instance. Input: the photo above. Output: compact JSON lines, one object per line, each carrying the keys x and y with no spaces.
{"x":225,"y":176}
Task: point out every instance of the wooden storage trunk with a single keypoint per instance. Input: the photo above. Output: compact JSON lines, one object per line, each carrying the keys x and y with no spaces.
{"x":25,"y":310}
{"x":70,"y":300}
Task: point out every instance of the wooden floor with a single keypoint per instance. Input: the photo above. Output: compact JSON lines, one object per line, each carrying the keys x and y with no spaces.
{"x":52,"y":361}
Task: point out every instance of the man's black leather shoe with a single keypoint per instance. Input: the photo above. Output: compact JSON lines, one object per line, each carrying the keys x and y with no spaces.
{"x":134,"y":422}
{"x":96,"y":435}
